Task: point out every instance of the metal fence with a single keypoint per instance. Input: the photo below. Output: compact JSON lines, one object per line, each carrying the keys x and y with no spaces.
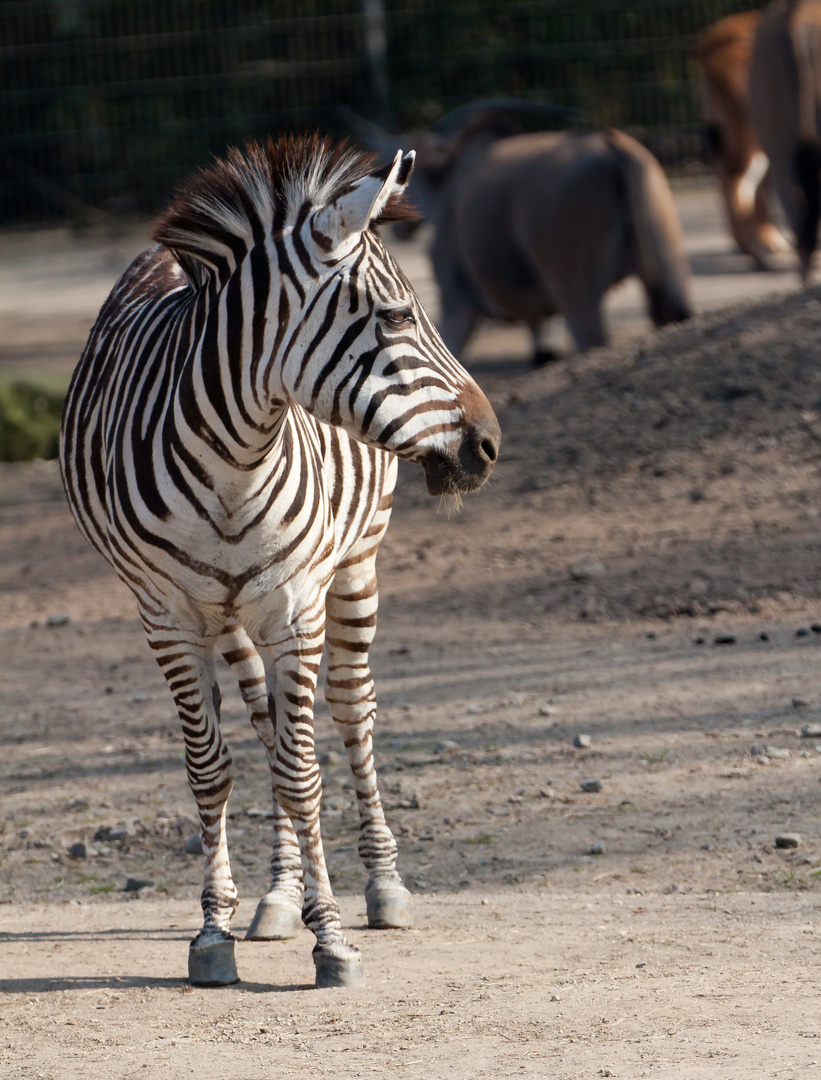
{"x":106,"y":104}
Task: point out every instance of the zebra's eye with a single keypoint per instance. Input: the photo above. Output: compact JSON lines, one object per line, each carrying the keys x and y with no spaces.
{"x":397,"y":318}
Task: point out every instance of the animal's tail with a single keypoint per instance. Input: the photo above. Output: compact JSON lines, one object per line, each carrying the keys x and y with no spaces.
{"x":657,"y":240}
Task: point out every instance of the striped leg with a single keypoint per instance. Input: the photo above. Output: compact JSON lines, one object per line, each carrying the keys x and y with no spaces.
{"x":350,"y":627}
{"x":187,"y":665}
{"x":279,"y":912}
{"x":294,"y":665}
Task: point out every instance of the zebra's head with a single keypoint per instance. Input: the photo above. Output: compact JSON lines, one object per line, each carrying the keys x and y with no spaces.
{"x":327,"y":320}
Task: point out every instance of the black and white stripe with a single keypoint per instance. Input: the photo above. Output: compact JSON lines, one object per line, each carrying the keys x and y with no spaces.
{"x":223,"y":447}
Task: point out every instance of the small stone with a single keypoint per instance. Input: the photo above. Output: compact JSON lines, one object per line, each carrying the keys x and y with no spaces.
{"x":135,"y":884}
{"x":776,"y":752}
{"x":448,"y":746}
{"x":329,"y":757}
{"x":585,"y":569}
{"x":256,"y":812}
{"x":139,"y":696}
{"x":802,"y":632}
{"x":816,"y":628}
{"x":546,"y":710}
{"x":57,"y":620}
{"x":799,"y":703}
{"x":77,"y":850}
{"x":787,"y":840}
{"x":763,"y":636}
{"x":811,"y":731}
{"x":547,"y":792}
{"x":193,"y":845}
{"x":582,"y":741}
{"x":725,"y":639}
{"x":699,"y":640}
{"x":590,"y":785}
{"x":485,"y":902}
{"x":597,"y":849}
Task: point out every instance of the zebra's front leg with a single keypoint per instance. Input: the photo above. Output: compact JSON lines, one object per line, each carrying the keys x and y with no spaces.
{"x":278,"y":916}
{"x":298,"y":789}
{"x":189,"y":670}
{"x":350,"y":627}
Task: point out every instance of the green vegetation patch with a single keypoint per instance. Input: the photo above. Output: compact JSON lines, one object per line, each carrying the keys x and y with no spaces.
{"x":29,"y":421}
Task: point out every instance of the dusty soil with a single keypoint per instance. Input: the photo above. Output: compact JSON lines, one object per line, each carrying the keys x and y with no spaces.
{"x":648,"y":501}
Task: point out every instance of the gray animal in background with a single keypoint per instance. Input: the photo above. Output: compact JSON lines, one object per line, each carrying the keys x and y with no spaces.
{"x":528,"y":226}
{"x":784,"y":90}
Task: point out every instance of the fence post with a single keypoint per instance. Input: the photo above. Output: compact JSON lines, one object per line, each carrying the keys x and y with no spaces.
{"x":376,"y":54}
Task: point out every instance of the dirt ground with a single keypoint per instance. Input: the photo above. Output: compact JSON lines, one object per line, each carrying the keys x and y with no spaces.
{"x":651,"y":502}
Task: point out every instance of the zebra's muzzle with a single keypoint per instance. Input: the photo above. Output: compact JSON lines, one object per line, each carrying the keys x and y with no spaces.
{"x":469,"y":465}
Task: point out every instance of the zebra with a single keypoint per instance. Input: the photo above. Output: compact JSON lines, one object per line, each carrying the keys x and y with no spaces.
{"x":229,"y":444}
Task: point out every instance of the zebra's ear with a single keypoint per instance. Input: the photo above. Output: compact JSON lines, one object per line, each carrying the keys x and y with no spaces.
{"x":352,"y":212}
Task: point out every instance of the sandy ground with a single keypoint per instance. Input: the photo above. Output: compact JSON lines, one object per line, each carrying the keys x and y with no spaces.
{"x":650,"y":501}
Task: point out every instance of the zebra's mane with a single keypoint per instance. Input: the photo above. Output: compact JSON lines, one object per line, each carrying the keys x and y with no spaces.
{"x":224,"y":209}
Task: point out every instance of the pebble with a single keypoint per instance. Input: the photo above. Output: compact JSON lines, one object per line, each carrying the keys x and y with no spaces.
{"x":788,"y":840}
{"x":57,"y":620}
{"x":329,"y":757}
{"x":725,"y":639}
{"x":590,"y":785}
{"x":77,"y":850}
{"x":586,"y":569}
{"x":763,"y":636}
{"x":193,"y":845}
{"x":135,"y":884}
{"x":802,"y":632}
{"x":769,"y":751}
{"x":139,"y":697}
{"x":811,"y":731}
{"x":699,"y":641}
{"x":582,"y":741}
{"x":597,"y":849}
{"x":799,"y":703}
{"x":546,"y":710}
{"x":447,"y":746}
{"x":816,"y":628}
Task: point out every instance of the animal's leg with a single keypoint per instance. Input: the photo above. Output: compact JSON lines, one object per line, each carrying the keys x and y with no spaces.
{"x":545,"y":346}
{"x":187,"y":665}
{"x":292,"y":666}
{"x":350,"y":626}
{"x":279,"y":912}
{"x":456,"y":324}
{"x":458,"y":313}
{"x":585,"y":323}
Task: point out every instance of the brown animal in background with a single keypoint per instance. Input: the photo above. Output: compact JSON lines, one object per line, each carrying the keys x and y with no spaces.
{"x":723,"y":56}
{"x":785,"y":83}
{"x":528,"y":226}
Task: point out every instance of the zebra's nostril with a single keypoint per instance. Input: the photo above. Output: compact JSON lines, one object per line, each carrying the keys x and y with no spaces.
{"x":488,"y":450}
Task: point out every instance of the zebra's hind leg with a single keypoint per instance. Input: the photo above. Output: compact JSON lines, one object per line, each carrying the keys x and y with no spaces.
{"x":187,"y":665}
{"x":350,"y":627}
{"x":292,"y":666}
{"x":279,"y":913}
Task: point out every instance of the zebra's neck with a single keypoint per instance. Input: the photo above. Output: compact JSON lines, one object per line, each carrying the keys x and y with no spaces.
{"x":225,"y":394}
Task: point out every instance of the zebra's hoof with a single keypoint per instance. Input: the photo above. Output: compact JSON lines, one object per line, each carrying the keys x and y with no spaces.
{"x":212,"y":964}
{"x":335,"y":971}
{"x":390,"y":908}
{"x":276,"y":919}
